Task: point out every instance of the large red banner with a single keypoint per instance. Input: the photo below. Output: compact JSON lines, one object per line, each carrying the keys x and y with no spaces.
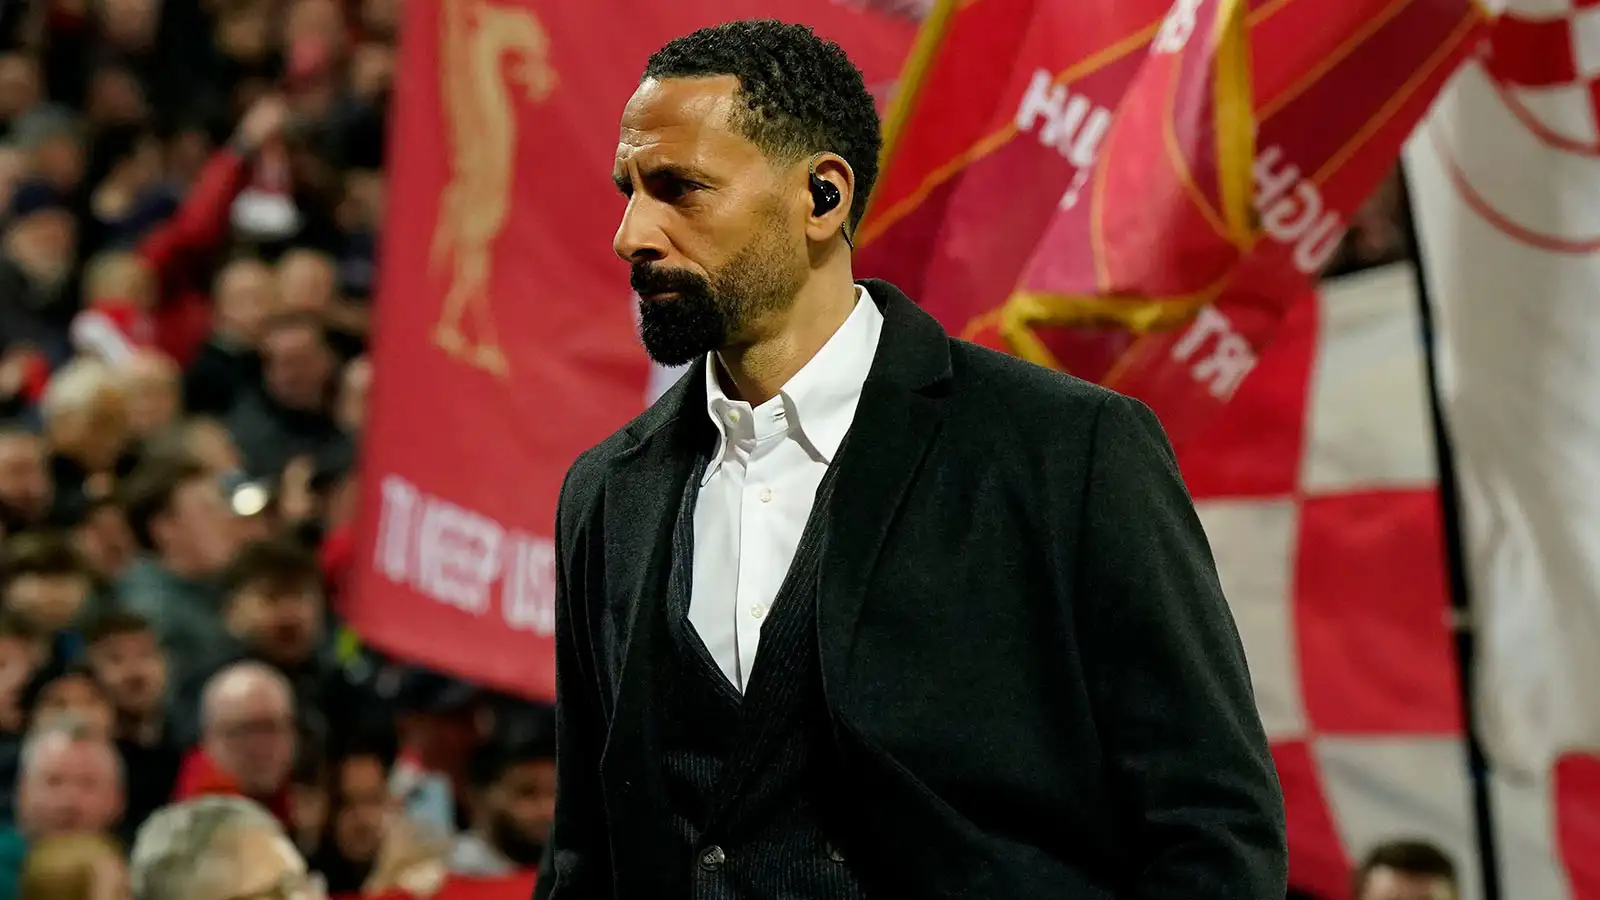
{"x":1140,"y":194}
{"x":505,"y":341}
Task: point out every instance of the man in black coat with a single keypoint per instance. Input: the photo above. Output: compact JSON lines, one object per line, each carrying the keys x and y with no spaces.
{"x":856,"y":610}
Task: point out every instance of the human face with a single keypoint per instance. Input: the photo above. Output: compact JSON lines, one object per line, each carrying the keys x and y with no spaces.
{"x":283,"y":622}
{"x":522,"y":805}
{"x":25,"y":485}
{"x":69,"y":786}
{"x":1384,"y":883}
{"x":78,"y":697}
{"x":253,"y":740}
{"x":133,"y":670}
{"x":364,"y":805}
{"x":50,"y":602}
{"x":298,"y":366}
{"x":714,"y":231}
{"x":199,"y":531}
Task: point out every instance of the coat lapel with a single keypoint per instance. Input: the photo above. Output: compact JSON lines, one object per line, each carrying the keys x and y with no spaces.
{"x":900,"y":412}
{"x":641,"y":505}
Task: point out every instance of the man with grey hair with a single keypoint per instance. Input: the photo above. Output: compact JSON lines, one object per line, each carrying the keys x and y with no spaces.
{"x":215,"y":848}
{"x":70,"y":781}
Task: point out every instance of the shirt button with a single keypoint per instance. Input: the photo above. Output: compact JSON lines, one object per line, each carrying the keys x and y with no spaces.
{"x":758,"y":612}
{"x":765,"y":495}
{"x":733,"y":416}
{"x":712,"y":858}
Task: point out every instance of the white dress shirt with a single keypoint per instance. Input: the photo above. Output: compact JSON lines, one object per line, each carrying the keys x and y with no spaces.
{"x":759,"y":487}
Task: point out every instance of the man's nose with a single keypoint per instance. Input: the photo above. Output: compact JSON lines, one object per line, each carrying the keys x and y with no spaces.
{"x":639,"y":236}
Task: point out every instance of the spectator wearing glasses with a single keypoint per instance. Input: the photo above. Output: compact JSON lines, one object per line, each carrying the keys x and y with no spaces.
{"x":218,"y":848}
{"x":247,"y":739}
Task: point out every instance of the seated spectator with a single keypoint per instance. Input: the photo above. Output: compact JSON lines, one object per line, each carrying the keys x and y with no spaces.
{"x":126,"y":658}
{"x":70,"y":782}
{"x":1406,"y":870}
{"x":247,"y":739}
{"x":75,"y":867}
{"x":61,"y":691}
{"x":181,"y":523}
{"x":45,"y":580}
{"x":274,"y":614}
{"x":210,"y":848}
{"x":359,"y":812}
{"x":86,"y":424}
{"x":513,"y":801}
{"x":26,"y":491}
{"x":289,"y":414}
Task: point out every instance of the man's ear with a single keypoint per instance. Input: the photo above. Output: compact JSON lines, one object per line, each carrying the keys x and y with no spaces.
{"x":823,"y":223}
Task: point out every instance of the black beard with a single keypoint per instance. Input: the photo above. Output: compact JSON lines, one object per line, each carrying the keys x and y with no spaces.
{"x":684,"y":328}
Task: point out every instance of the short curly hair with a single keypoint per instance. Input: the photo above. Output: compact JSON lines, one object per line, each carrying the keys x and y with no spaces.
{"x":802,"y":95}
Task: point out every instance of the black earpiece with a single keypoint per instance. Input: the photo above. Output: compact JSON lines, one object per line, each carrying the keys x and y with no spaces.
{"x":825,"y":198}
{"x":824,"y":194}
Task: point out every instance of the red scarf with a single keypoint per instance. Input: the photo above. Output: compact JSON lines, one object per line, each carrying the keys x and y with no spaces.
{"x":200,"y":777}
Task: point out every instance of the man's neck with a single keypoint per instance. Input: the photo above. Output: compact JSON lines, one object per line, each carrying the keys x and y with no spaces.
{"x":759,"y":370}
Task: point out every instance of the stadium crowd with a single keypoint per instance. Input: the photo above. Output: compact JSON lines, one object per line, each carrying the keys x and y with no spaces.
{"x":189,"y":197}
{"x":190,"y":193}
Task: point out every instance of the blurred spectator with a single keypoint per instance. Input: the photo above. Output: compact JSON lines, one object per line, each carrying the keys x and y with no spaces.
{"x":441,"y":722}
{"x":26,"y":491}
{"x":126,"y":658}
{"x":151,"y":382}
{"x":22,"y":651}
{"x":1406,"y":870}
{"x":70,"y":782}
{"x":181,"y":522}
{"x":101,"y":534}
{"x":37,"y":251}
{"x":68,"y":691}
{"x":46,"y":581}
{"x":513,"y":784}
{"x":247,"y":743}
{"x":86,"y":425}
{"x":274,"y":615}
{"x":227,"y":846}
{"x":289,"y":414}
{"x":359,"y":813}
{"x":354,"y":382}
{"x":75,"y":867}
{"x":118,"y":300}
{"x":227,"y":364}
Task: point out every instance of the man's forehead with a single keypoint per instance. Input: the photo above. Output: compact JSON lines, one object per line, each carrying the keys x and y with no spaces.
{"x":680,"y":117}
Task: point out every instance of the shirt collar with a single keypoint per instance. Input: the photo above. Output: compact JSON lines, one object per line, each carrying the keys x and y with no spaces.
{"x":819,"y":402}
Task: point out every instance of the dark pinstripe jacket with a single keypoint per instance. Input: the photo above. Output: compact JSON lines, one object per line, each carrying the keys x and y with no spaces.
{"x":1035,"y":685}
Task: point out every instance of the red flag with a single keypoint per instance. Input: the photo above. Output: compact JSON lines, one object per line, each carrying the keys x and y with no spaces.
{"x":1181,"y":227}
{"x":505,"y":341}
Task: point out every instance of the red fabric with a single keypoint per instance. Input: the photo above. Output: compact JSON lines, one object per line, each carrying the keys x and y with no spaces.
{"x":35,"y":378}
{"x":113,"y":329}
{"x":455,"y":566}
{"x":200,"y":777}
{"x":177,"y":249}
{"x":337,"y":553}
